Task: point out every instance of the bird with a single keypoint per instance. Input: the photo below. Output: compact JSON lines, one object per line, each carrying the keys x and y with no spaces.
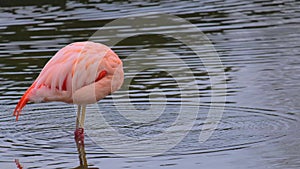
{"x":80,"y":73}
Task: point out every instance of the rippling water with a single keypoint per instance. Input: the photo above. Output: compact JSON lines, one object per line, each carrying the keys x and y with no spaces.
{"x":258,"y":43}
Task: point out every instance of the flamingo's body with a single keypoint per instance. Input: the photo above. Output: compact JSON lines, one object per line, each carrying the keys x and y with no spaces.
{"x":81,"y":73}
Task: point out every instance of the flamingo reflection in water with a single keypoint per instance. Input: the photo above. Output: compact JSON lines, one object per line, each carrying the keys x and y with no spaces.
{"x":81,"y":154}
{"x":82,"y":157}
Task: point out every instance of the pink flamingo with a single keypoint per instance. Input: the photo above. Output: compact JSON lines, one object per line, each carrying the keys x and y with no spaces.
{"x":80,"y":73}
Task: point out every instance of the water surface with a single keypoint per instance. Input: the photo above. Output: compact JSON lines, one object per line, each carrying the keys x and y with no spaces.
{"x":258,"y":43}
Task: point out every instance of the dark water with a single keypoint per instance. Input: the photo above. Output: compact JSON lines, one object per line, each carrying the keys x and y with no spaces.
{"x":258,"y":43}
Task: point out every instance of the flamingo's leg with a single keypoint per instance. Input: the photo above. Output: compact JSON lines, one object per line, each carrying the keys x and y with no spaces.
{"x":79,"y":132}
{"x":82,"y":118}
{"x":78,"y":116}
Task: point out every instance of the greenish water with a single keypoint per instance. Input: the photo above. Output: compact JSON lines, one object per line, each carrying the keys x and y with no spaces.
{"x":258,"y":44}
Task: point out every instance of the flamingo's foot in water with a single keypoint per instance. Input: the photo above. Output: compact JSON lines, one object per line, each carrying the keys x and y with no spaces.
{"x":79,"y":135}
